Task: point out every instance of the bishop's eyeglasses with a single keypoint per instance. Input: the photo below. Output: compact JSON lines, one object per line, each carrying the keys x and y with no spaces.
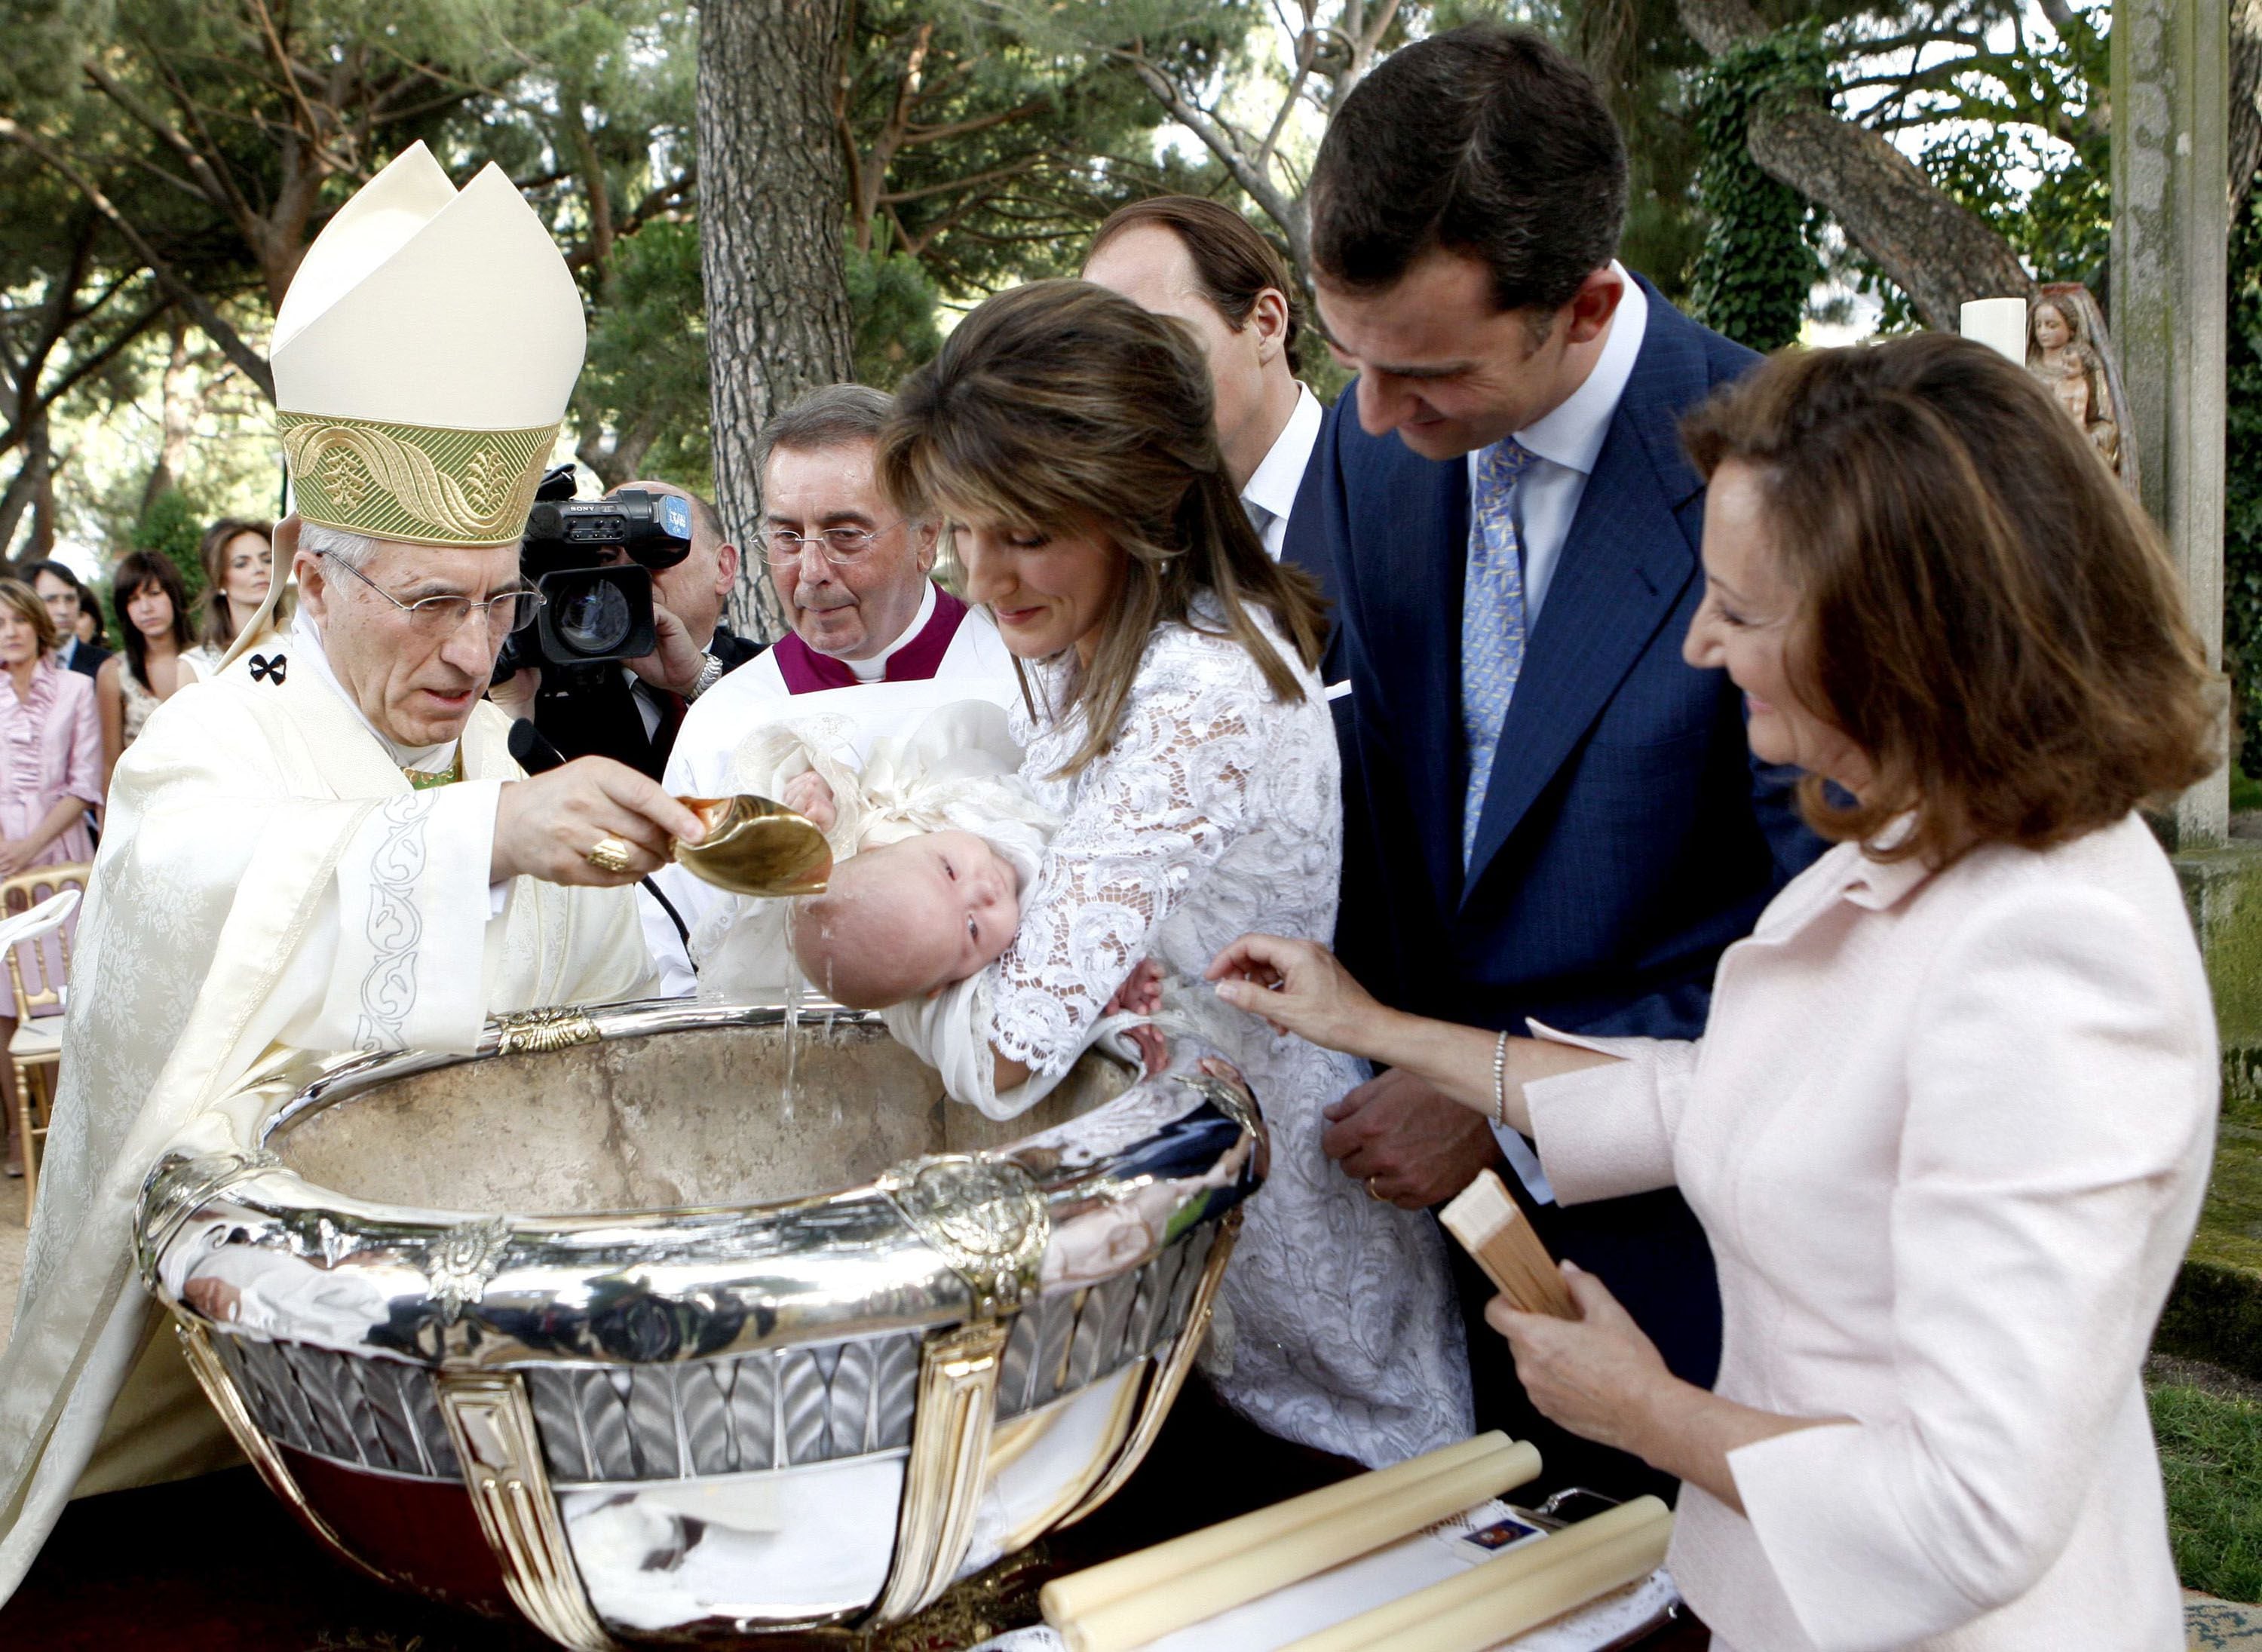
{"x":444,"y":616}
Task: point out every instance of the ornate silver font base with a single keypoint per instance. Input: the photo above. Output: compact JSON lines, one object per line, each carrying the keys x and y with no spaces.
{"x":716,"y":1331}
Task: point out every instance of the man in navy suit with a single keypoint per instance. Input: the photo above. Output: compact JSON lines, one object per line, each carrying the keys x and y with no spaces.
{"x":1549,"y":815}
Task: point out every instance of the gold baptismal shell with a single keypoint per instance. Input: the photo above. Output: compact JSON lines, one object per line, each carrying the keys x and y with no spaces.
{"x":754,"y":846}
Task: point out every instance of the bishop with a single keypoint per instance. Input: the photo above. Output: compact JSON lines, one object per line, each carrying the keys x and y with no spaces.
{"x":327,"y":846}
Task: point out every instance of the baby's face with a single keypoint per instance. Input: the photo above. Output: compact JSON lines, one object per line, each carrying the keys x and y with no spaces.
{"x":957,"y":900}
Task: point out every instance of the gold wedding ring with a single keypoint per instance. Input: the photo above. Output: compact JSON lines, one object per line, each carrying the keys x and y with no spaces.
{"x":1371,"y":1193}
{"x":609,"y":854}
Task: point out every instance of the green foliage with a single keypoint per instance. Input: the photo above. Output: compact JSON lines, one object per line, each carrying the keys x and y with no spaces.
{"x":2017,"y":133}
{"x":2211,"y":1460}
{"x":2052,"y":203}
{"x":1646,"y":66}
{"x":646,"y":369}
{"x":2242,"y":503}
{"x":1757,"y":265}
{"x":893,"y":301}
{"x":992,"y":136}
{"x":172,"y":528}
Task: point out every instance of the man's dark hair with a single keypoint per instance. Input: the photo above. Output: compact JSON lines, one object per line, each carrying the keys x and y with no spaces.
{"x":30,"y":572}
{"x":833,"y":416}
{"x":1232,"y":259}
{"x":1486,"y":141}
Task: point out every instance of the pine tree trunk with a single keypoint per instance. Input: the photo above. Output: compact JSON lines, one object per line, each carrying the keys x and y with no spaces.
{"x":24,"y":488}
{"x":1930,"y":246}
{"x":177,"y":417}
{"x":2245,"y":99}
{"x":771,"y":194}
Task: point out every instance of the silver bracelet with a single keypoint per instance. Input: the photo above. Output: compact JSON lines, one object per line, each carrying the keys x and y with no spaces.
{"x":1499,"y":1081}
{"x":711,"y":673}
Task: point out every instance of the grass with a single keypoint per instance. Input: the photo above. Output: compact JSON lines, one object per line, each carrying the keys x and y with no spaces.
{"x":2211,"y":1456}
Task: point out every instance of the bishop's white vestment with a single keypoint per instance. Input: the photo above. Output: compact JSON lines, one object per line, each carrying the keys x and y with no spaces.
{"x":268,"y":877}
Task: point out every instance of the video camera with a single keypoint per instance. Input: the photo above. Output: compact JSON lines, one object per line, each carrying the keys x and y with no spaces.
{"x":592,"y":612}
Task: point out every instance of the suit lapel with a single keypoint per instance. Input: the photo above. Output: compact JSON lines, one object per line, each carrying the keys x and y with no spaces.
{"x":1423,"y":517}
{"x":1623,"y":567}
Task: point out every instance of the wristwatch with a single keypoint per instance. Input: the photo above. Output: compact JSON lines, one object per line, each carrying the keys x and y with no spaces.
{"x":711,"y":673}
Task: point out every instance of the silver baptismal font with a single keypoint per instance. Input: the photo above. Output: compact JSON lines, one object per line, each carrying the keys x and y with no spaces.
{"x":679,"y":1321}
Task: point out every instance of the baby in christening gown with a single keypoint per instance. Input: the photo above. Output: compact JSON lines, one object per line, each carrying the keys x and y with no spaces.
{"x":933,"y":836}
{"x":936,"y":841}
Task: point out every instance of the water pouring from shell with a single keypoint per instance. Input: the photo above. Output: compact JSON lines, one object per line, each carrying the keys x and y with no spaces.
{"x":755,"y":846}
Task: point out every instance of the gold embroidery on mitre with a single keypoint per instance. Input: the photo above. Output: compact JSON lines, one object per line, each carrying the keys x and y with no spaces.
{"x":405,"y":481}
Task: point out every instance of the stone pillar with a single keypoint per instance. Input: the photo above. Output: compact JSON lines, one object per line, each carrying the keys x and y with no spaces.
{"x":2171,"y":228}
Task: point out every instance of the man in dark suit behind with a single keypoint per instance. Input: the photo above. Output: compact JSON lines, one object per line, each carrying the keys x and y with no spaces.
{"x":1548,"y":815}
{"x":60,"y":590}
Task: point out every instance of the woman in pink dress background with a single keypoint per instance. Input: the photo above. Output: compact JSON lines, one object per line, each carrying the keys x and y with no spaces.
{"x":50,"y":768}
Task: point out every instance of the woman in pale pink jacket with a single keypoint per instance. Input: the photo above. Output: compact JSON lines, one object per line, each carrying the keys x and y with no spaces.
{"x":50,"y":770}
{"x":1949,"y":1125}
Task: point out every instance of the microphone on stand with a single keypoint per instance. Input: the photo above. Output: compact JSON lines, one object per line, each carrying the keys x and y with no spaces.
{"x":531,"y":750}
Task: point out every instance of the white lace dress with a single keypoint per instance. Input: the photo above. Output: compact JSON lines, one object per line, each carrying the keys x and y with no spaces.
{"x":1218,"y":811}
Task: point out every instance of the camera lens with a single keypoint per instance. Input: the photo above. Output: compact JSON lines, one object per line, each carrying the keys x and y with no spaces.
{"x":593,"y":620}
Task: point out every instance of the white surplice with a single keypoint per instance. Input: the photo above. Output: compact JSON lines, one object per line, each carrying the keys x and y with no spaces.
{"x":267,"y":878}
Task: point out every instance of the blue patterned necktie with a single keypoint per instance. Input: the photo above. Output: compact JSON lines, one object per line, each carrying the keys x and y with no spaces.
{"x":1492,"y":620}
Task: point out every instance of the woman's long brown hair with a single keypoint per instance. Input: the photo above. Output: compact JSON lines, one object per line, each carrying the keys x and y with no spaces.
{"x":1061,"y":407}
{"x":134,"y":570}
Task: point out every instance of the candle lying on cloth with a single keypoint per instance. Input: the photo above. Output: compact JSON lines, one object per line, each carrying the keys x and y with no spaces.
{"x":1207,"y":1577}
{"x":1516,"y":1592}
{"x":1080,"y":1593}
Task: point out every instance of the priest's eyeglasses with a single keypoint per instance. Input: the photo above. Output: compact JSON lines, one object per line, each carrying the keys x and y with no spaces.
{"x":837,"y":544}
{"x":445,"y":615}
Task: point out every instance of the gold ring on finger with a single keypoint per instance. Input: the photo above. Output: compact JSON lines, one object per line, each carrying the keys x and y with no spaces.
{"x":1373,"y":1194}
{"x":609,"y":854}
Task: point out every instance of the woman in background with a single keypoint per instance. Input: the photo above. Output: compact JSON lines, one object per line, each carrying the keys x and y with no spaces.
{"x":239,"y":559}
{"x":1950,"y":1121}
{"x":155,"y":662}
{"x":90,"y":624}
{"x":50,"y":770}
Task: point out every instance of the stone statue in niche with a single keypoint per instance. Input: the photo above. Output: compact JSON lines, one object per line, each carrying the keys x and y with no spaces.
{"x":2068,"y":350}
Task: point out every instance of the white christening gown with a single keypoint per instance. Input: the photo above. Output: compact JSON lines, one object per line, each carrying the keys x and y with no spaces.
{"x":1218,"y":811}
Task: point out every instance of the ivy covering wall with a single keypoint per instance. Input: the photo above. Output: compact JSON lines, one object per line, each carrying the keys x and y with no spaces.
{"x":1758,"y":265}
{"x":2241,"y":504}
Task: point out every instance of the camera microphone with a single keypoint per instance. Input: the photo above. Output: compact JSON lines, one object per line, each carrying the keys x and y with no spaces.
{"x":534,"y":753}
{"x":530,"y":751}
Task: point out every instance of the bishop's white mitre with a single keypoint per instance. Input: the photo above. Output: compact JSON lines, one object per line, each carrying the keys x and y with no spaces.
{"x":424,"y":359}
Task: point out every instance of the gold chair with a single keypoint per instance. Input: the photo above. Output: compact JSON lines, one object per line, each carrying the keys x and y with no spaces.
{"x":35,"y":1049}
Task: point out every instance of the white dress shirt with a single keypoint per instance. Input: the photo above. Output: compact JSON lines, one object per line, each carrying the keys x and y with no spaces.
{"x":1948,"y":1136}
{"x":1566,"y":444}
{"x":1271,"y":495}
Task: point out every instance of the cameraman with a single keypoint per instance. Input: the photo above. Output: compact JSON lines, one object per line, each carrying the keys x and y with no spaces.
{"x":627,"y":713}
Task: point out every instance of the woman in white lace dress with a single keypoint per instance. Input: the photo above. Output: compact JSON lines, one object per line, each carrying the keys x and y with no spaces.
{"x":1173,"y":720}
